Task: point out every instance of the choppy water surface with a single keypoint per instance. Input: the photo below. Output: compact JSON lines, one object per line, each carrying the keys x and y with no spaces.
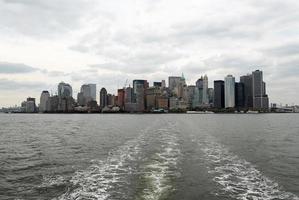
{"x":149,"y":157}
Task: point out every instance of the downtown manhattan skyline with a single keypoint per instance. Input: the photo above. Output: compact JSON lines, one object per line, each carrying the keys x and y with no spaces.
{"x":107,"y":43}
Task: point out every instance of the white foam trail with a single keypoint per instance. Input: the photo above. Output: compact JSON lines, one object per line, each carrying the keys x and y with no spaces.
{"x":52,"y":180}
{"x":161,"y":168}
{"x":106,"y":179}
{"x":239,"y":178}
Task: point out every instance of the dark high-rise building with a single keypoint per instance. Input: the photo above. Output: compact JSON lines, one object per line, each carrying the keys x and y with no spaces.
{"x":257,"y":83}
{"x":157,"y":84}
{"x":199,"y":83}
{"x":110,"y":99}
{"x":219,"y":94}
{"x":239,"y":95}
{"x":260,"y":99}
{"x":121,"y":98}
{"x":248,"y":98}
{"x":103,"y":98}
{"x":139,"y":87}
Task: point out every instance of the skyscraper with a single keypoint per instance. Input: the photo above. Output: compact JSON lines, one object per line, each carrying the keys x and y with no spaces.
{"x":30,"y":105}
{"x":65,"y":97}
{"x":205,"y":86}
{"x":199,"y":83}
{"x":64,"y":90}
{"x":139,"y":87}
{"x":157,"y":84}
{"x":190,"y":95}
{"x":177,"y":85}
{"x":173,"y":83}
{"x":219,"y":94}
{"x":89,"y":92}
{"x":128,"y":95}
{"x":248,"y":95}
{"x":103,"y":98}
{"x":121,"y":98}
{"x":260,"y":99}
{"x":239,"y":95}
{"x":44,"y":98}
{"x":257,"y":83}
{"x":229,"y":91}
{"x":93,"y":91}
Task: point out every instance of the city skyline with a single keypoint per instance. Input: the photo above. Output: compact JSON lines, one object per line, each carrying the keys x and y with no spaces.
{"x":250,"y":94}
{"x":203,"y":82}
{"x":107,"y":43}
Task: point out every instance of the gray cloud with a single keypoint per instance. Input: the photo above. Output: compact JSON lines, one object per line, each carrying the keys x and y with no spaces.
{"x":6,"y":84}
{"x":15,"y":68}
{"x":125,"y":39}
{"x":41,"y":18}
{"x":291,"y":49}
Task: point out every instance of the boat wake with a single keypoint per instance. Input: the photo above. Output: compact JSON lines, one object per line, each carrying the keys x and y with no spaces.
{"x":108,"y":179}
{"x":162,"y":168}
{"x":239,"y":178}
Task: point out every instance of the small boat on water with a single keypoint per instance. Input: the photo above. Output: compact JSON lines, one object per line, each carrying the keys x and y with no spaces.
{"x":199,"y":112}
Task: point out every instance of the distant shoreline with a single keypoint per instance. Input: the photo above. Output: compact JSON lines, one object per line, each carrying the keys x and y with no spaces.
{"x":145,"y":113}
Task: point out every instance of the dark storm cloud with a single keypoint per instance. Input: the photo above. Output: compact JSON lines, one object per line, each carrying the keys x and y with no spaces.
{"x":15,"y":68}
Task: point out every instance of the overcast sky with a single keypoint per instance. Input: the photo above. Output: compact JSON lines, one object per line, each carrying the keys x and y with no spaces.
{"x":106,"y":42}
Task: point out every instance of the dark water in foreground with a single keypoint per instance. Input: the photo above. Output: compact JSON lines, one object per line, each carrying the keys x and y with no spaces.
{"x":149,"y":157}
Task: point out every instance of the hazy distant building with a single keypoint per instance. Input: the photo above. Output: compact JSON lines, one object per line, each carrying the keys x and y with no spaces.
{"x":173,"y":83}
{"x":65,"y":98}
{"x":88,"y":92}
{"x":30,"y":105}
{"x":197,"y":98}
{"x":190,"y":95}
{"x":210,"y":97}
{"x":53,"y":104}
{"x":81,"y":99}
{"x":103,"y":98}
{"x":152,"y":95}
{"x":219,"y":94}
{"x":44,"y":100}
{"x":173,"y":103}
{"x":205,"y":98}
{"x":64,"y":90}
{"x":93,"y":91}
{"x":139,"y":87}
{"x":66,"y":104}
{"x":229,"y":91}
{"x":163,"y":84}
{"x":257,"y":83}
{"x":199,"y":92}
{"x":157,"y":84}
{"x":121,"y":98}
{"x":199,"y":83}
{"x":162,"y":102}
{"x":248,"y":94}
{"x":110,"y":99}
{"x":239,"y":96}
{"x":129,"y":95}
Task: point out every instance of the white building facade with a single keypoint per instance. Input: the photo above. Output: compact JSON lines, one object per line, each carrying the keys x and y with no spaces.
{"x":229,"y":91}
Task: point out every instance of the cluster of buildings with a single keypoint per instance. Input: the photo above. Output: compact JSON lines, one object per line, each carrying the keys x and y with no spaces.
{"x":226,"y":96}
